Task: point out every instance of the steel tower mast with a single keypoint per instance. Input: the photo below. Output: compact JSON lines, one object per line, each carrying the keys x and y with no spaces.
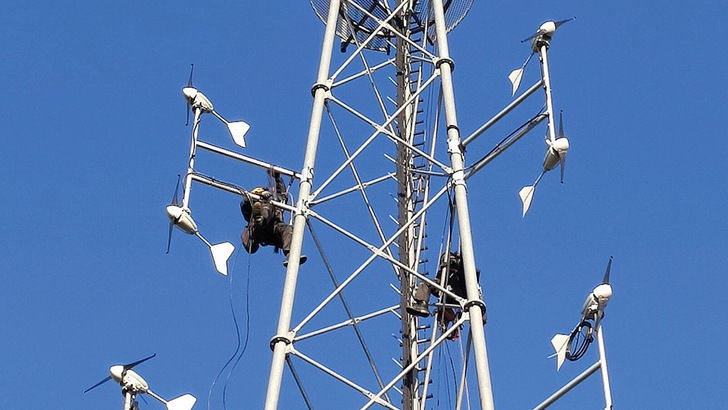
{"x":384,"y":114}
{"x":417,"y":33}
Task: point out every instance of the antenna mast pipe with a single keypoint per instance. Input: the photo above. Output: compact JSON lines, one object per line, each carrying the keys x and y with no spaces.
{"x":129,"y":397}
{"x":605,"y":373}
{"x":475,"y":305}
{"x":543,"y":57}
{"x":191,"y":163}
{"x":283,"y":338}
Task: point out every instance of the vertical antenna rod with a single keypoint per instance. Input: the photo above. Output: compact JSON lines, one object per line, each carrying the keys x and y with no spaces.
{"x":191,"y":163}
{"x":405,"y":244}
{"x":605,"y":372}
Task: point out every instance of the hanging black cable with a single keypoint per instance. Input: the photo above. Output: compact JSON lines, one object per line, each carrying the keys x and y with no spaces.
{"x":580,"y":340}
{"x":503,"y":141}
{"x":247,"y":335}
{"x":454,"y":375}
{"x":237,"y":332}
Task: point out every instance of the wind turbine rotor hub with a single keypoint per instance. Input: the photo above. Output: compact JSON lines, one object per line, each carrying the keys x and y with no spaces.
{"x":545,"y":32}
{"x":603,"y":292}
{"x":197,"y":99}
{"x":182,"y":218}
{"x":561,"y":144}
{"x":189,"y":93}
{"x":556,"y":151}
{"x":117,"y":372}
{"x":548,"y":28}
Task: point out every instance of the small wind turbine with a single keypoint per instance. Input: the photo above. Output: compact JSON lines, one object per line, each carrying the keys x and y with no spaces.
{"x":132,"y":384}
{"x":201,"y":104}
{"x":540,"y":37}
{"x":181,"y":217}
{"x":574,"y":345}
{"x":556,"y":145}
{"x":556,"y":150}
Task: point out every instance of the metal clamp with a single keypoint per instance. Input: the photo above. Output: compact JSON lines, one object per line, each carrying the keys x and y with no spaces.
{"x":481,"y":304}
{"x":445,"y":60}
{"x":317,"y":86}
{"x":279,"y":338}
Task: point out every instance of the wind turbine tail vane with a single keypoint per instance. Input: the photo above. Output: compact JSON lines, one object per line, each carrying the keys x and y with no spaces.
{"x":237,"y":130}
{"x":185,"y":402}
{"x":220,"y":254}
{"x":517,"y":75}
{"x":560,"y":344}
{"x":526,"y":194}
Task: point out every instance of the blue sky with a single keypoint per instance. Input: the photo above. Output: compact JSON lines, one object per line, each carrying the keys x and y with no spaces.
{"x":94,"y":137}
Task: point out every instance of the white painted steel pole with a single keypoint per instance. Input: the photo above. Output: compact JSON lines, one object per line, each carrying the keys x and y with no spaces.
{"x":128,"y":400}
{"x":283,"y":336}
{"x":568,"y":386}
{"x":605,"y":373}
{"x":475,"y":305}
{"x":191,"y":163}
{"x":543,"y":57}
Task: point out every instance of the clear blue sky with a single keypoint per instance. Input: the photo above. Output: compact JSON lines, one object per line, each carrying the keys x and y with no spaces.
{"x":93,"y":139}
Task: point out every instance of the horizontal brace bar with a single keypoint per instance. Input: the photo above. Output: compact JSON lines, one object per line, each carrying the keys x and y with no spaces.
{"x":503,"y":113}
{"x":225,"y":186}
{"x":248,"y":160}
{"x":573,"y":383}
{"x":487,"y":159}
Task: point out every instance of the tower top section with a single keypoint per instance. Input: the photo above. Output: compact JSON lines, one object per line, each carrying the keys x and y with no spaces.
{"x":358,"y":19}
